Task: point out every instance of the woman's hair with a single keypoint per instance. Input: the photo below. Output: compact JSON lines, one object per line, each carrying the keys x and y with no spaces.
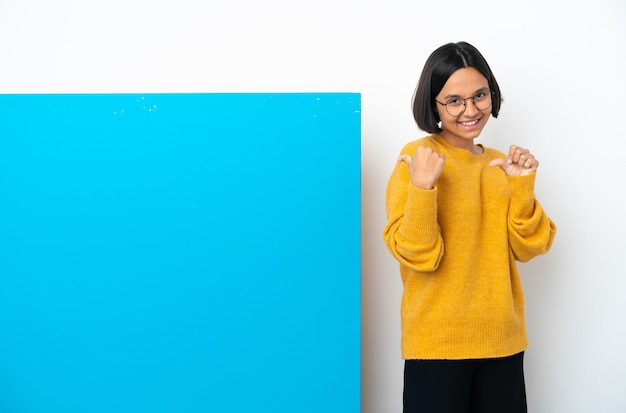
{"x":440,"y":65}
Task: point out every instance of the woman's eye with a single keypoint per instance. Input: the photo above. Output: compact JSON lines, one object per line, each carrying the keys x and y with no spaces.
{"x":454,"y":102}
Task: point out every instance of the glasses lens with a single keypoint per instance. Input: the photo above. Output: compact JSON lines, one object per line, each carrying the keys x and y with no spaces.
{"x":455,"y":110}
{"x":483,"y":101}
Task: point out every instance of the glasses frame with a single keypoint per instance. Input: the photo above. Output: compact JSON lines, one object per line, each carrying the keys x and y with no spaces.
{"x":491,"y":93}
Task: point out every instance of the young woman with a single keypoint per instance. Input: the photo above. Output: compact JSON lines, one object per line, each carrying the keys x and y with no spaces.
{"x":459,"y":217}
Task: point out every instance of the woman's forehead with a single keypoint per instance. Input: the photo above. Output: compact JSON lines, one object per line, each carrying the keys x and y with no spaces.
{"x":467,"y":80}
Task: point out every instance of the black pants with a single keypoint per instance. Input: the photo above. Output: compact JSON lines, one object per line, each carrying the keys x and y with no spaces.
{"x":465,"y":386}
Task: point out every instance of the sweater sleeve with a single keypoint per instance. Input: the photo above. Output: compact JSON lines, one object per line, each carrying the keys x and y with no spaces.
{"x":531,"y":231}
{"x":412,"y":233}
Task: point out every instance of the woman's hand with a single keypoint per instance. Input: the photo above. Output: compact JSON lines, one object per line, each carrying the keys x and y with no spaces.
{"x":519,"y":162}
{"x":425,"y":167}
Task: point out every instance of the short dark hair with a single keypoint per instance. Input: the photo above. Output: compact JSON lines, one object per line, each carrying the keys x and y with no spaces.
{"x":439,"y":66}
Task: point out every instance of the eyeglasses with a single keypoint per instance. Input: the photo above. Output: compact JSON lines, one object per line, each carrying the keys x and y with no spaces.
{"x":456,"y":106}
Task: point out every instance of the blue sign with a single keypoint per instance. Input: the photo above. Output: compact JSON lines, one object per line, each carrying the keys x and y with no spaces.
{"x":180,"y":253}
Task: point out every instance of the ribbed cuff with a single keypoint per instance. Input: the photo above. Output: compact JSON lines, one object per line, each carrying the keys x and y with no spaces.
{"x":420,"y":215}
{"x":522,"y":195}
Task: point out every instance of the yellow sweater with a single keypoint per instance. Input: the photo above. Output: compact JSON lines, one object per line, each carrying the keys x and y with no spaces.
{"x":457,"y":245}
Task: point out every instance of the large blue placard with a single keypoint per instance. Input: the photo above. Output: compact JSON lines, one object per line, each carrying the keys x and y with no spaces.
{"x":180,"y":253}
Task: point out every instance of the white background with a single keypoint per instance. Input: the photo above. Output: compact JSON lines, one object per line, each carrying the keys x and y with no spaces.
{"x":561,"y":66}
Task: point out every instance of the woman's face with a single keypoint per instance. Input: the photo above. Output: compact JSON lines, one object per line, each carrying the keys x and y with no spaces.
{"x":461,"y":129}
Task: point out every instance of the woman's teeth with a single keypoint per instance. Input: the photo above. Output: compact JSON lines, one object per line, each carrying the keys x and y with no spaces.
{"x":474,"y":122}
